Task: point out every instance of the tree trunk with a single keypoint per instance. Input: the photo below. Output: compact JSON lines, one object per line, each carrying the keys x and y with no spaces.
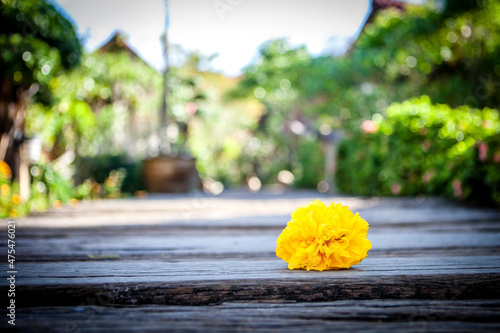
{"x":13,"y":99}
{"x":164,"y":144}
{"x":12,"y":108}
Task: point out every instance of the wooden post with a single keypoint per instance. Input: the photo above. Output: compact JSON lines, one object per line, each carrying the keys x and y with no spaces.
{"x":330,"y":144}
{"x":4,"y":144}
{"x":164,"y":144}
{"x":330,"y":150}
{"x":130,"y":137}
{"x":24,"y":172}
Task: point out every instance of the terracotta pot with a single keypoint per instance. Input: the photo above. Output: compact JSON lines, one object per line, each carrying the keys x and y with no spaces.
{"x":170,"y":174}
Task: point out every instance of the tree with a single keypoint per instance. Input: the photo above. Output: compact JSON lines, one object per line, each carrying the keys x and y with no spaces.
{"x":102,"y":115}
{"x":37,"y":42}
{"x":447,"y":50}
{"x":448,"y":147}
{"x":103,"y":106}
{"x":449,"y":53}
{"x":283,"y":137}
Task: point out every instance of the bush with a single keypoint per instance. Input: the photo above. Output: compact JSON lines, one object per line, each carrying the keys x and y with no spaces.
{"x":102,"y":168}
{"x":421,"y":148}
{"x":10,"y":200}
{"x":50,"y":189}
{"x":310,"y":167}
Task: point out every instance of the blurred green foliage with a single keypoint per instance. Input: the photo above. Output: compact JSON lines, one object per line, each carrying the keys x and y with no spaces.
{"x":421,"y":148}
{"x":100,"y":111}
{"x":107,"y":95}
{"x":309,"y":170}
{"x":280,"y":138}
{"x":98,"y":168}
{"x":101,"y":119}
{"x":36,"y":44}
{"x":451,"y":55}
{"x":448,"y":51}
{"x":10,"y":201}
{"x":49,"y":189}
{"x":448,"y":54}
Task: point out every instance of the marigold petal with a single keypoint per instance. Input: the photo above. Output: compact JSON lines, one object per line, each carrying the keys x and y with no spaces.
{"x":320,"y":237}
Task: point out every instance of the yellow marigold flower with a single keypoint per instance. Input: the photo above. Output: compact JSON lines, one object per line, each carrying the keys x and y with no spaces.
{"x":323,"y":238}
{"x":5,"y":170}
{"x":5,"y":189}
{"x":16,"y":199}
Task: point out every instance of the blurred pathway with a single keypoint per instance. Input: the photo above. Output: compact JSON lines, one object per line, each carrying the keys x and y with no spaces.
{"x":176,"y":262}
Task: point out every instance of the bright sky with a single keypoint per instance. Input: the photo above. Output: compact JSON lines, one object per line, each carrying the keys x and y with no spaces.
{"x":232,"y":28}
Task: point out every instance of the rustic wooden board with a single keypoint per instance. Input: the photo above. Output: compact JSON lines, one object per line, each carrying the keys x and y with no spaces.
{"x":166,"y":242}
{"x":177,"y":262}
{"x":214,"y":281}
{"x":193,"y":241}
{"x":247,"y":210}
{"x":442,"y":287}
{"x":366,"y":316}
{"x":96,"y":272}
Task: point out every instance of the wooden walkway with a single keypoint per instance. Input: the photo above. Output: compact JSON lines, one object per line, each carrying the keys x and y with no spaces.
{"x":192,"y":263}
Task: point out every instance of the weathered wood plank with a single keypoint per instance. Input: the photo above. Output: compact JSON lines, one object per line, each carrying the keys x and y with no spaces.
{"x":243,"y":211}
{"x":467,"y":286}
{"x":218,"y":243}
{"x":167,"y":255}
{"x":195,"y":283}
{"x":148,"y":256}
{"x":220,"y":270}
{"x":366,"y":316}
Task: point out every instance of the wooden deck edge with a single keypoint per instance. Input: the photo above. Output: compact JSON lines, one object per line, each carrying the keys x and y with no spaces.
{"x":431,"y":287}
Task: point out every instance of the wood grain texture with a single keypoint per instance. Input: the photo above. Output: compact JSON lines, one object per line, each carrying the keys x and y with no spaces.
{"x":97,"y":272}
{"x":176,"y":262}
{"x":199,"y":292}
{"x":340,"y":316}
{"x":243,"y":209}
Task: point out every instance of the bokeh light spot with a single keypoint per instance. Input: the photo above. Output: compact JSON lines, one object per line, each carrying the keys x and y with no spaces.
{"x":286,"y":177}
